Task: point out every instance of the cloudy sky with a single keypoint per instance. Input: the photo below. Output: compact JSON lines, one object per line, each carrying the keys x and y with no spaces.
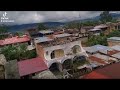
{"x":24,"y":17}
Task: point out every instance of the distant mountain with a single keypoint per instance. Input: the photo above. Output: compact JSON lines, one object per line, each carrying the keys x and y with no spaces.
{"x":114,"y":15}
{"x":23,"y":27}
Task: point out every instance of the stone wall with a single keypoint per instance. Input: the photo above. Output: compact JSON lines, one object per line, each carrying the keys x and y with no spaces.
{"x":113,"y":43}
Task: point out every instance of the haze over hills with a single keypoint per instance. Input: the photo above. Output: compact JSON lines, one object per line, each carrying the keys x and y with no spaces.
{"x":22,"y":27}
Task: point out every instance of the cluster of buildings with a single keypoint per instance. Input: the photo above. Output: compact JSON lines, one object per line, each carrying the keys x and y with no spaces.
{"x":53,"y":48}
{"x":104,"y":60}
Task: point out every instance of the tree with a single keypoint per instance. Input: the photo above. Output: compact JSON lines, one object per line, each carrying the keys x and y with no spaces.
{"x":3,"y":30}
{"x":41,"y":26}
{"x":105,"y":16}
{"x":18,"y":52}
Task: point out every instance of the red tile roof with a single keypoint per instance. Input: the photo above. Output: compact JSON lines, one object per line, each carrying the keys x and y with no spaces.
{"x":95,"y":75}
{"x":113,"y":52}
{"x":14,"y":40}
{"x":93,"y":58}
{"x":30,"y":66}
{"x":111,"y":72}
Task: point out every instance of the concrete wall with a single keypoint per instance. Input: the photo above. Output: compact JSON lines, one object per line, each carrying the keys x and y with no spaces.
{"x":113,"y":43}
{"x":67,"y":48}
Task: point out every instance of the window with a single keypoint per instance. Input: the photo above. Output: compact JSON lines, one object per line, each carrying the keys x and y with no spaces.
{"x":47,"y":53}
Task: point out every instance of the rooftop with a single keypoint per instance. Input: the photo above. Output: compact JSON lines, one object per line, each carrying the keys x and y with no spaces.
{"x":95,"y":29}
{"x":98,"y":60}
{"x":62,"y":35}
{"x":42,"y":39}
{"x":95,"y":75}
{"x":14,"y":40}
{"x":116,"y":47}
{"x":109,"y":52}
{"x":110,"y":71}
{"x":114,"y":38}
{"x":30,"y":66}
{"x":104,"y":57}
{"x":46,"y":31}
{"x":117,"y":55}
{"x":101,"y":26}
{"x":96,"y":48}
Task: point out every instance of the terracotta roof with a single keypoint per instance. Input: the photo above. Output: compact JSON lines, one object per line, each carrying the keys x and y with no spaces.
{"x":113,"y":52}
{"x":95,"y":75}
{"x":30,"y":66}
{"x":93,"y":58}
{"x":111,"y":71}
{"x":14,"y":40}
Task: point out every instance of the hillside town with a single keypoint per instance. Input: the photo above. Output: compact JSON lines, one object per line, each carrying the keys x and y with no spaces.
{"x":86,"y":52}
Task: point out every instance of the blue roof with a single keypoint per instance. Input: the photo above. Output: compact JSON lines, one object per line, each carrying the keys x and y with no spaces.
{"x":42,"y":39}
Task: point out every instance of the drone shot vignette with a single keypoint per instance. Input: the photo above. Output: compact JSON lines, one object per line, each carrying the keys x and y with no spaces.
{"x":59,"y":44}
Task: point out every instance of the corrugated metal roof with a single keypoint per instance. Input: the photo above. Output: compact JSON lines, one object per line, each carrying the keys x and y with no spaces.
{"x":46,"y":31}
{"x":104,"y":57}
{"x":95,"y":75}
{"x":95,"y":29}
{"x":98,"y":60}
{"x":96,"y":48}
{"x":117,"y":55}
{"x":30,"y":66}
{"x":111,"y":72}
{"x":42,"y":39}
{"x":62,"y":35}
{"x":114,"y":38}
{"x":116,"y":47}
{"x":100,"y":26}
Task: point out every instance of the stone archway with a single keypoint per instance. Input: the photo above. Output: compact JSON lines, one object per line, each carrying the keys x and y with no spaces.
{"x":67,"y":64}
{"x":54,"y":67}
{"x":79,"y":60}
{"x":57,"y":53}
{"x":76,"y":49}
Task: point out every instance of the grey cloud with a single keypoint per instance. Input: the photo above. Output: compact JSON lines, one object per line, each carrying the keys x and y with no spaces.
{"x":23,"y":17}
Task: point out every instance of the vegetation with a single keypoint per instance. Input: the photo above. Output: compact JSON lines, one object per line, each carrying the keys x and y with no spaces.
{"x":3,"y":30}
{"x":115,"y":33}
{"x":17,"y":52}
{"x":19,"y":34}
{"x":100,"y":39}
{"x":105,"y":17}
{"x":78,"y":25}
{"x":41,"y":26}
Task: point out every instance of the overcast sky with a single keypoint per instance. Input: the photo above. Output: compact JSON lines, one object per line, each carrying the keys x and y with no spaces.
{"x":24,"y":17}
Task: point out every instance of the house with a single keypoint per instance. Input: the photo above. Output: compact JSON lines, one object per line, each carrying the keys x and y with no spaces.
{"x":106,"y":58}
{"x":116,"y":47}
{"x":11,"y":70}
{"x":15,"y":40}
{"x":31,"y":67}
{"x":2,"y":66}
{"x":33,"y":32}
{"x":107,"y":72}
{"x":95,"y":49}
{"x":102,"y":28}
{"x":112,"y":41}
{"x":47,"y":74}
{"x":58,"y":49}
